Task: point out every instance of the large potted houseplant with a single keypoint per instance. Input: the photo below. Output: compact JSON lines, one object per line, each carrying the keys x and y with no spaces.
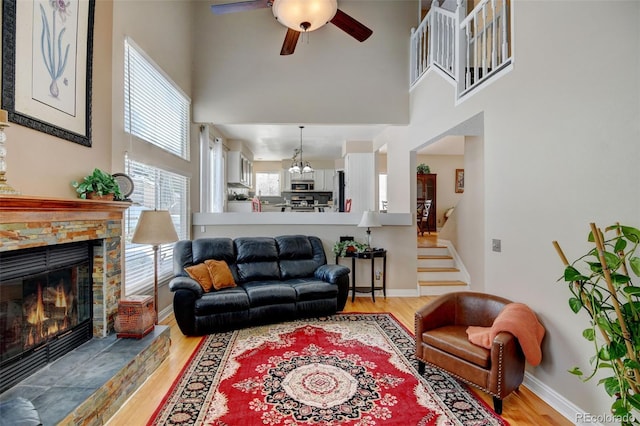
{"x":98,"y":185}
{"x":600,"y":283}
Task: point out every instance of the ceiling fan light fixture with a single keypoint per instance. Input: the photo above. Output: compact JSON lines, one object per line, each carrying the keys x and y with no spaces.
{"x":298,"y":14}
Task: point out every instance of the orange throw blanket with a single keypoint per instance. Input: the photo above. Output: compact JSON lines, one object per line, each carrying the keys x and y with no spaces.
{"x":519,"y":320}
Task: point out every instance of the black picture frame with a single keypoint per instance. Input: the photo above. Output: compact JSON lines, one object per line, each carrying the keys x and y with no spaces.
{"x":81,"y":116}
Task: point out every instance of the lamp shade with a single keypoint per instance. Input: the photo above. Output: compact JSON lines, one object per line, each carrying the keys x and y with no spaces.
{"x":312,"y":13}
{"x":369,"y":220}
{"x":154,"y":227}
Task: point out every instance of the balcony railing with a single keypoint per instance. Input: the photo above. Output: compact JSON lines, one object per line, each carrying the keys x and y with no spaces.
{"x":470,"y":49}
{"x":433,"y":43}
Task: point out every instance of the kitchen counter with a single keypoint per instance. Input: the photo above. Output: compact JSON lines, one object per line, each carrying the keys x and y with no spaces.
{"x":295,"y":218}
{"x":239,"y":206}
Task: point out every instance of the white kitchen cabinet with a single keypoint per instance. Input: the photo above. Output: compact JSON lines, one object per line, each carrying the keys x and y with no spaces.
{"x":318,"y":180}
{"x":328,"y":179}
{"x":286,"y":181}
{"x":323,"y":180}
{"x":360,"y":184}
{"x":238,"y":169}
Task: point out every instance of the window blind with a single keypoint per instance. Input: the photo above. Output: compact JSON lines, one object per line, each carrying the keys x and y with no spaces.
{"x":155,"y":109}
{"x":154,"y":188}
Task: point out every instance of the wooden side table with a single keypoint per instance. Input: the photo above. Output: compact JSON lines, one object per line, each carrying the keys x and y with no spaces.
{"x":380,"y":253}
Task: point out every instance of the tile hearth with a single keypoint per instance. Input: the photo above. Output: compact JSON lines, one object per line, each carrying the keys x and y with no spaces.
{"x":89,"y":384}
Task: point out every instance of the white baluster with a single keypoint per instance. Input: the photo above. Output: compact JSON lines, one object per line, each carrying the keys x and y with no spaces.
{"x":494,"y":48}
{"x":484,"y":41}
{"x":505,"y":22}
{"x":476,"y":49}
{"x":468,"y":68}
{"x":412,"y":55}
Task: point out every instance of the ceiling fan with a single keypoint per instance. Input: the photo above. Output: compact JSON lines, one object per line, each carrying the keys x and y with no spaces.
{"x":301,"y":16}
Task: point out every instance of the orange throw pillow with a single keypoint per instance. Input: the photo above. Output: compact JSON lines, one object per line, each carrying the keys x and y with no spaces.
{"x":200,"y":273}
{"x":220,"y":273}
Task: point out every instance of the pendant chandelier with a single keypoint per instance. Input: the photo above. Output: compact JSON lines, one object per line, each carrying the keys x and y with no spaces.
{"x":299,"y":166}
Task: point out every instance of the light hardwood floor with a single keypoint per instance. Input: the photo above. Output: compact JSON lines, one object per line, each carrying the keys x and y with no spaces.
{"x":520,"y":408}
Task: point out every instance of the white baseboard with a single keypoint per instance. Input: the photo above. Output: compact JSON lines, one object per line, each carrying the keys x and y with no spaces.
{"x":572,"y":412}
{"x":163,"y":314}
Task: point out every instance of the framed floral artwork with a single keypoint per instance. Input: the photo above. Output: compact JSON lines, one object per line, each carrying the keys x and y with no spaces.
{"x":459,"y":180}
{"x":46,"y":66}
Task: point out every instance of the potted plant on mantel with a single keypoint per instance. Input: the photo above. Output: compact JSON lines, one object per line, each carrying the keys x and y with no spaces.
{"x":600,"y":284}
{"x":423,"y":169}
{"x":98,"y":185}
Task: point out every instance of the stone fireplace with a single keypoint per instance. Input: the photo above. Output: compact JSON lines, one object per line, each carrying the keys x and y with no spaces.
{"x":27,"y":222}
{"x":33,"y":224}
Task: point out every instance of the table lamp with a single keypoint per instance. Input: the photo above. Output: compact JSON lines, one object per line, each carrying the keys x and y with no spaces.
{"x":155,"y":227}
{"x":369,"y":220}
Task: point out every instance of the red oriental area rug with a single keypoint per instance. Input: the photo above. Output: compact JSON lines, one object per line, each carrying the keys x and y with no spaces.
{"x":348,"y":369}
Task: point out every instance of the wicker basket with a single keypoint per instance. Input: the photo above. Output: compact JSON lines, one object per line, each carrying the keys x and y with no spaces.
{"x":136,"y":317}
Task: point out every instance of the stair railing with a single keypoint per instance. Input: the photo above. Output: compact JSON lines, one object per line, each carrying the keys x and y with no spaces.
{"x":467,"y":48}
{"x":433,"y":43}
{"x":484,"y":43}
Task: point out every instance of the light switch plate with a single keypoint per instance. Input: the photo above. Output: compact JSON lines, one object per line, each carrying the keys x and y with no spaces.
{"x":496,"y":245}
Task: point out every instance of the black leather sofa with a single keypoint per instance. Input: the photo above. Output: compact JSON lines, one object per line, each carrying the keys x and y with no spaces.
{"x":278,"y":279}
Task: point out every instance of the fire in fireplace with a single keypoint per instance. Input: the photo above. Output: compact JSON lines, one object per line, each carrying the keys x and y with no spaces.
{"x":45,"y":307}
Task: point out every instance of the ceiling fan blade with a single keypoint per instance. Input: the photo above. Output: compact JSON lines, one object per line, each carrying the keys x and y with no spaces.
{"x":350,"y":26}
{"x":290,"y":41}
{"x":221,"y":9}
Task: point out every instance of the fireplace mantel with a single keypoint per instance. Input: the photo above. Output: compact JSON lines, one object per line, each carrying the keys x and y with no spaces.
{"x":27,"y":222}
{"x":20,"y":208}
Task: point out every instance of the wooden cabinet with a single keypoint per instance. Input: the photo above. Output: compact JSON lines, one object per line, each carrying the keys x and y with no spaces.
{"x":426,"y":190}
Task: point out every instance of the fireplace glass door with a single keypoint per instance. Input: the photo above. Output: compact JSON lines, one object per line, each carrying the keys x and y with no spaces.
{"x":45,"y":297}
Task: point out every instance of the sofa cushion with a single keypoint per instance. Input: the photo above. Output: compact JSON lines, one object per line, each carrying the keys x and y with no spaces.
{"x":301,"y":268}
{"x":255,"y":249}
{"x":258,"y":271}
{"x":225,"y":300}
{"x":313,"y":289}
{"x":200,"y":273}
{"x":263,"y":293}
{"x":213,"y":248}
{"x":294,"y":247}
{"x":257,"y":259}
{"x":220,"y":273}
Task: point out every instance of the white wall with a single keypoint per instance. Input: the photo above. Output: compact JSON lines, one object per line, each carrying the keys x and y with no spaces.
{"x":560,"y":150}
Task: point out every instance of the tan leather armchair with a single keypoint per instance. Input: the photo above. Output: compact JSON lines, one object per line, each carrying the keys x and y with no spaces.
{"x":441,"y":341}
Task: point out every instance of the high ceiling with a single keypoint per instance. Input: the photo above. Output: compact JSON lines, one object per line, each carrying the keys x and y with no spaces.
{"x":331,"y":85}
{"x":275,"y":142}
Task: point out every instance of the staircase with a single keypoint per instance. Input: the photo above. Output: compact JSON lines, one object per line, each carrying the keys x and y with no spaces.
{"x":440,"y":270}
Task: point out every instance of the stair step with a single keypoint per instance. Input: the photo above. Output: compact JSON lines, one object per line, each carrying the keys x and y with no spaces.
{"x":442,"y":283}
{"x":434,"y":256}
{"x":434,"y":246}
{"x":438,"y":269}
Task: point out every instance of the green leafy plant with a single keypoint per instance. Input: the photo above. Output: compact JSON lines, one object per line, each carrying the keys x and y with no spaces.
{"x":341,"y":248}
{"x":423,"y":169}
{"x":601,"y":284}
{"x":98,"y":182}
